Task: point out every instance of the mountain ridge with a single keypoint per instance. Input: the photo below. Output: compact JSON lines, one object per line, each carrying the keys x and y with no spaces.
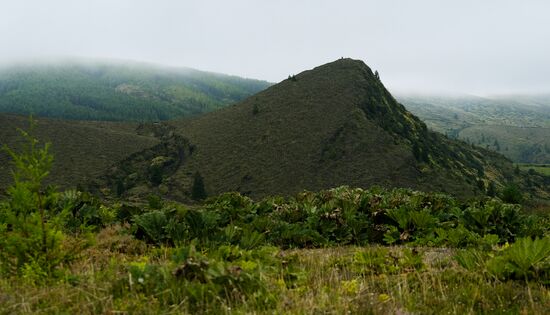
{"x":333,"y":125}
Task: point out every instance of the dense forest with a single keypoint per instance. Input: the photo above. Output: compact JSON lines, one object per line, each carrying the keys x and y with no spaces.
{"x":109,"y":90}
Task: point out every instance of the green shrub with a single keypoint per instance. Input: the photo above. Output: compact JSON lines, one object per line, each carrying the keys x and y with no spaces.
{"x":154,"y":202}
{"x":526,"y":259}
{"x":495,"y":217}
{"x":198,"y":192}
{"x":151,"y":226}
{"x":82,"y":212}
{"x":410,"y":224}
{"x":379,"y":260}
{"x":225,"y":276}
{"x":512,"y":194}
{"x":340,"y":216}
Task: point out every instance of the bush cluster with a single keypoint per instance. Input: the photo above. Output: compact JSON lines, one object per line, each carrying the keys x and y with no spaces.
{"x":341,"y":216}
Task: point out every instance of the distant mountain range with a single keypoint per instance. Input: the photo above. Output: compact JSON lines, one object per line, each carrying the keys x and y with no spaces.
{"x":116,"y":90}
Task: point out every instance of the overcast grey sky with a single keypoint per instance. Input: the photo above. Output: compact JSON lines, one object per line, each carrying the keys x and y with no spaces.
{"x":470,"y":46}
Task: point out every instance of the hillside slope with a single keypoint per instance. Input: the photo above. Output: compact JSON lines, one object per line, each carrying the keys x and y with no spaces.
{"x":108,"y":90}
{"x":82,"y":149}
{"x":515,"y":126}
{"x":333,"y":125}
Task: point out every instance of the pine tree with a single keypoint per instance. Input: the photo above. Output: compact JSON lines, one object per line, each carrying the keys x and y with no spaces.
{"x":198,"y":192}
{"x":30,"y":236}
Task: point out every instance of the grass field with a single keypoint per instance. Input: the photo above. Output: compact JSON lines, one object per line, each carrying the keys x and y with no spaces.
{"x":539,"y":168}
{"x":308,"y":281}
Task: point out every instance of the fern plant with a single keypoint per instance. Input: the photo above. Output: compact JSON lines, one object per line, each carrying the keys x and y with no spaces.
{"x":528,"y":259}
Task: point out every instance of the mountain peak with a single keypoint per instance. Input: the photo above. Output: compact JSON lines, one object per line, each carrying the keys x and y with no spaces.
{"x":346,"y":63}
{"x":332,"y":125}
{"x":339,"y":68}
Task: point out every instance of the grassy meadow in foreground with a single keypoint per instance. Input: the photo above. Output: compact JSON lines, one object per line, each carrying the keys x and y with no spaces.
{"x":120,"y":275}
